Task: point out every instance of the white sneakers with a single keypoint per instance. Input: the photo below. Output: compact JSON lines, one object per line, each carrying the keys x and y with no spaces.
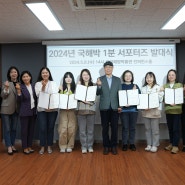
{"x":90,"y":150}
{"x":84,"y":151}
{"x":151,"y":148}
{"x":69,"y":150}
{"x":63,"y":150}
{"x":148,"y":148}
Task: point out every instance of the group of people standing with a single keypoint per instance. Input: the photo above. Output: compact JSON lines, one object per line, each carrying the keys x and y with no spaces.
{"x":20,"y":100}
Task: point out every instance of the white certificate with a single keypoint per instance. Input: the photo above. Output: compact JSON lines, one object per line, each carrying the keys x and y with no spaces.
{"x":43,"y":100}
{"x":153,"y":100}
{"x":143,"y":101}
{"x":133,"y":97}
{"x":72,"y":102}
{"x":54,"y":101}
{"x":148,"y":101}
{"x":91,"y":93}
{"x":122,"y":94}
{"x":128,"y":97}
{"x":67,"y":101}
{"x":174,"y":96}
{"x":84,"y":93}
{"x":48,"y":101}
{"x":80,"y":92}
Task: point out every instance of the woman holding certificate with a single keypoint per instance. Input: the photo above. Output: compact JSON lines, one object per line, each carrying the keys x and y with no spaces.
{"x":173,"y":109}
{"x":68,"y":121}
{"x":129,"y":111}
{"x":86,"y":115}
{"x":46,"y":89}
{"x":152,"y":114}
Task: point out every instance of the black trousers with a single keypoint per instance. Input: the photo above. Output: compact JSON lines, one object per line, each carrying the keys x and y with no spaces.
{"x":183,"y":124}
{"x":109,"y":118}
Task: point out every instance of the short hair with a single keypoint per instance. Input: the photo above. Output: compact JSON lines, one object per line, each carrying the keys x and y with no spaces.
{"x":124,"y":73}
{"x":108,"y":63}
{"x":8,"y":73}
{"x":23,"y":73}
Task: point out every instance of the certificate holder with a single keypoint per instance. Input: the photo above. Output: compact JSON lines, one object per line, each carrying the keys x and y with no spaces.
{"x":148,"y":101}
{"x":173,"y":96}
{"x":128,"y":97}
{"x":67,"y":101}
{"x":84,"y":93}
{"x":48,"y":101}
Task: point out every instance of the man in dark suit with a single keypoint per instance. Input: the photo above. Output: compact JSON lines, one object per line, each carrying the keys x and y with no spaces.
{"x":108,"y":87}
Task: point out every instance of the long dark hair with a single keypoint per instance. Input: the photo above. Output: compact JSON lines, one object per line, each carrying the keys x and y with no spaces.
{"x":151,"y":74}
{"x":171,"y":70}
{"x":40,"y":74}
{"x":90,"y":83}
{"x":25,"y":72}
{"x":72,"y":83}
{"x":8,"y":73}
{"x":124,"y":73}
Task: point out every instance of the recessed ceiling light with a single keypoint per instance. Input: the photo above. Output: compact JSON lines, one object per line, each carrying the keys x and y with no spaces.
{"x":176,"y":20}
{"x":44,"y":13}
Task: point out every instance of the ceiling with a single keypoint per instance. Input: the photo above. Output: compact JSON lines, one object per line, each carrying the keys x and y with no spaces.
{"x":19,"y":25}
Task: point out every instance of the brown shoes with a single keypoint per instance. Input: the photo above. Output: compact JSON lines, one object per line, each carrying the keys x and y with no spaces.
{"x":174,"y":150}
{"x":169,"y":147}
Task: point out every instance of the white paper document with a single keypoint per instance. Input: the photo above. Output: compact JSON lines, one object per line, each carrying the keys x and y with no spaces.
{"x":148,"y":101}
{"x":67,"y":101}
{"x":174,"y":96}
{"x":48,"y":101}
{"x":84,"y":93}
{"x":128,"y":97}
{"x":54,"y":101}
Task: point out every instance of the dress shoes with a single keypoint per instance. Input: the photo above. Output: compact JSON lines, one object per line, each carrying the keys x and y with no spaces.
{"x":106,"y":151}
{"x":125,"y":147}
{"x":132,"y":147}
{"x":114,"y":151}
{"x":15,"y":151}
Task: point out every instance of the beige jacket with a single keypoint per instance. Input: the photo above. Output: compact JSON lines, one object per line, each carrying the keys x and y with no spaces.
{"x":9,"y":100}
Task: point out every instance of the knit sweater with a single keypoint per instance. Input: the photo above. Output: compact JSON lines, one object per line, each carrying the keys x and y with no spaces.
{"x":176,"y":109}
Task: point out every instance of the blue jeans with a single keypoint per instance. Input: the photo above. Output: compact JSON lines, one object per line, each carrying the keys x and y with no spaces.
{"x":128,"y":120}
{"x":9,"y":128}
{"x":46,"y":127}
{"x":173,"y":122}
